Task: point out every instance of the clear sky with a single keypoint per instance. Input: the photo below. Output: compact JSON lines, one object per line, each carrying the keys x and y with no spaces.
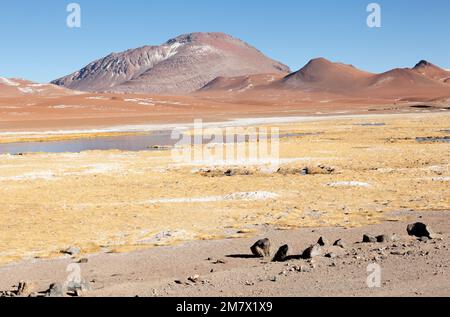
{"x":37,"y":44}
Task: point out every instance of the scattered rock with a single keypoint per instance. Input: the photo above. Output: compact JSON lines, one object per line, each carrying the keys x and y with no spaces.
{"x":229,"y":173}
{"x":331,"y":255}
{"x":312,"y":251}
{"x":326,"y":169}
{"x":340,"y":243}
{"x":24,"y":289}
{"x":322,"y":242}
{"x":83,"y":260}
{"x":384,"y":238}
{"x":7,"y":294}
{"x":194,"y":279}
{"x":261,"y":248}
{"x":71,"y":251}
{"x":78,"y":293}
{"x":74,"y":286}
{"x":281,"y":254}
{"x":55,"y":290}
{"x":304,"y":269}
{"x":419,"y":230}
{"x":369,"y":239}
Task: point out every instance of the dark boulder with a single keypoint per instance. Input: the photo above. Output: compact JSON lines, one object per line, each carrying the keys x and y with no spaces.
{"x":419,"y":230}
{"x":281,"y":254}
{"x":339,"y":243}
{"x":322,"y":242}
{"x":312,"y":252}
{"x":261,"y":248}
{"x":367,"y":238}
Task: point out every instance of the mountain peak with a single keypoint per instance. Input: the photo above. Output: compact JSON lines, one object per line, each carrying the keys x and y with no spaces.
{"x":199,"y":36}
{"x":321,"y":71}
{"x":423,"y":63}
{"x":320,"y":60}
{"x":182,"y":65}
{"x":432,"y":71}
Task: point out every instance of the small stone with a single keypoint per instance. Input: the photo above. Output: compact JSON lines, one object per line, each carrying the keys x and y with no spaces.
{"x":7,"y":294}
{"x":419,"y":230}
{"x":340,"y":243}
{"x":331,"y":255}
{"x":304,"y":269}
{"x":71,"y":251}
{"x":83,"y":260}
{"x":312,"y":251}
{"x":424,"y":239}
{"x":322,"y":242}
{"x":281,"y":254}
{"x":24,"y":289}
{"x":229,"y":172}
{"x":384,"y":238}
{"x":261,"y":248}
{"x":78,"y":293}
{"x":369,"y":239}
{"x":194,"y":279}
{"x":73,"y":286}
{"x":55,"y":290}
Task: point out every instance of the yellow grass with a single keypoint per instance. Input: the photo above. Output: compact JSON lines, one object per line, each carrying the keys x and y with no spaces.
{"x":99,"y":200}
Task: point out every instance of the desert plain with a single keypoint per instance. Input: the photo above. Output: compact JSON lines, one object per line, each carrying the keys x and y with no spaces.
{"x":379,"y":170}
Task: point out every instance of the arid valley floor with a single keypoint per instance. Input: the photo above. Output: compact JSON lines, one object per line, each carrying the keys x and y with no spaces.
{"x":144,"y":224}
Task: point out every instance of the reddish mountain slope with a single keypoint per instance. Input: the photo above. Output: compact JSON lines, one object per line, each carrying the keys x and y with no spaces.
{"x":432,"y":71}
{"x":181,"y":65}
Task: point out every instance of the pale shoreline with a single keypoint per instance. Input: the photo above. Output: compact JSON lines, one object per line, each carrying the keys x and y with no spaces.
{"x":139,"y":128}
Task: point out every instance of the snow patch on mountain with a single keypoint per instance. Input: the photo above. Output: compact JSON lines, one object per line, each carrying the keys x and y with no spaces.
{"x":8,"y":82}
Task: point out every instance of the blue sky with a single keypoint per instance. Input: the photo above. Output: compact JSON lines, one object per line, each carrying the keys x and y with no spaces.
{"x":37,"y":45}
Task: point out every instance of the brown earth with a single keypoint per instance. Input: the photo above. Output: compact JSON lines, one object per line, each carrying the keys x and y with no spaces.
{"x":226,"y":268}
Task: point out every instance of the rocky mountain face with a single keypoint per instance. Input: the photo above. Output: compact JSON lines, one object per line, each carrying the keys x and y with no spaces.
{"x":179,"y":66}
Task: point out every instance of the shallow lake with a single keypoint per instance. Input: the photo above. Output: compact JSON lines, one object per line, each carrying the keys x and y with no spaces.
{"x":156,"y":141}
{"x":124,"y":143}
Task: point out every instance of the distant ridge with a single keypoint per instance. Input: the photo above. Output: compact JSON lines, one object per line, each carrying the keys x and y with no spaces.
{"x":323,"y":76}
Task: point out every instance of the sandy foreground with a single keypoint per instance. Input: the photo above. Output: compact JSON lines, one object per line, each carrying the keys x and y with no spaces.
{"x":408,"y":266}
{"x":365,"y":174}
